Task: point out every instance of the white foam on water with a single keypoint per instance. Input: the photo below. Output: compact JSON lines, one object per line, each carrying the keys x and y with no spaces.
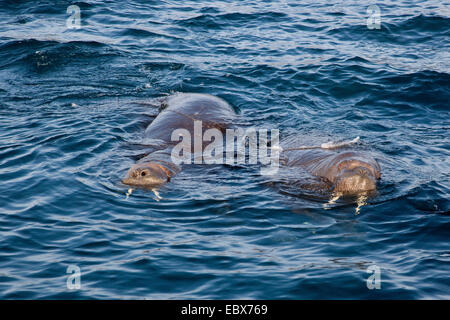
{"x":332,"y":144}
{"x":327,"y":145}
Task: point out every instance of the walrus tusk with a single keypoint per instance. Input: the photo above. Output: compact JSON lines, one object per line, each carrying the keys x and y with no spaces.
{"x":361,"y":201}
{"x":335,"y":197}
{"x":129,"y":192}
{"x":156,"y":193}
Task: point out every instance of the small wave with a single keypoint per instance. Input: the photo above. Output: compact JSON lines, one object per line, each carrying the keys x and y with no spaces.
{"x":411,"y":30}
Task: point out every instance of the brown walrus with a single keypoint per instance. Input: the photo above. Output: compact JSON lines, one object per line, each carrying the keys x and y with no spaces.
{"x":348,"y":172}
{"x":345,"y":171}
{"x":180,"y":113}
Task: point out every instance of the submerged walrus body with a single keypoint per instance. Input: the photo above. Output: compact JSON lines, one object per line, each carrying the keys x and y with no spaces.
{"x":180,"y":113}
{"x":348,"y":172}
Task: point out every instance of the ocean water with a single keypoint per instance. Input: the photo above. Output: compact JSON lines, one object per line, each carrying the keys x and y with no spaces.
{"x":73,"y":113}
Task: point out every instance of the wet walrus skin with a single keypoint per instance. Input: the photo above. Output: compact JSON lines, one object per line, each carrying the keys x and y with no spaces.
{"x":180,"y":113}
{"x":347,"y":171}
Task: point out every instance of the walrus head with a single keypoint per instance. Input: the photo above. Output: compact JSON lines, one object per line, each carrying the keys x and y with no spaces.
{"x":147,"y":174}
{"x":355,"y":176}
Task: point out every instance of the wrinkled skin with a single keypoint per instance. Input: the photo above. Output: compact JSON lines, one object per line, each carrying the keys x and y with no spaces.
{"x":349,"y":172}
{"x":181,"y":111}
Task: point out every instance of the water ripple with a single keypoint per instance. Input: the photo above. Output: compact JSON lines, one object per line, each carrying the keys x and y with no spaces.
{"x":74,"y":106}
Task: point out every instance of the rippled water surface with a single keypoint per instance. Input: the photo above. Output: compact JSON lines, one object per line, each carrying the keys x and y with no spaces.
{"x":71,"y":116}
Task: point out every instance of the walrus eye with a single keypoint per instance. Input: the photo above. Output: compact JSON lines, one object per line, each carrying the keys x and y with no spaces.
{"x":143,"y":173}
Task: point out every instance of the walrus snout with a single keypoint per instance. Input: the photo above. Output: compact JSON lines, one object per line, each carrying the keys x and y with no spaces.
{"x":146,"y":174}
{"x":358,"y":179}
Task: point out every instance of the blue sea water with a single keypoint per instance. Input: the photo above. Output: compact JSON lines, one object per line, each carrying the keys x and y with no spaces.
{"x":72,"y":119}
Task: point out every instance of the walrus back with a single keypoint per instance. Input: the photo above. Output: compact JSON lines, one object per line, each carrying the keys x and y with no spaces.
{"x":185,"y":108}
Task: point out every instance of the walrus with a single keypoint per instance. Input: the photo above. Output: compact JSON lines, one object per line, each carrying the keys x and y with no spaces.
{"x":180,"y":111}
{"x":347,"y":172}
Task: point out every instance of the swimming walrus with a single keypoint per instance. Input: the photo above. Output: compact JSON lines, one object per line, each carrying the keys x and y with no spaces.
{"x":348,"y":172}
{"x":345,"y":171}
{"x":181,"y":111}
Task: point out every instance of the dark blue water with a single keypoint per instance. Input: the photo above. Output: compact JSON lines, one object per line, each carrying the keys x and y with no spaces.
{"x":71,"y":117}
